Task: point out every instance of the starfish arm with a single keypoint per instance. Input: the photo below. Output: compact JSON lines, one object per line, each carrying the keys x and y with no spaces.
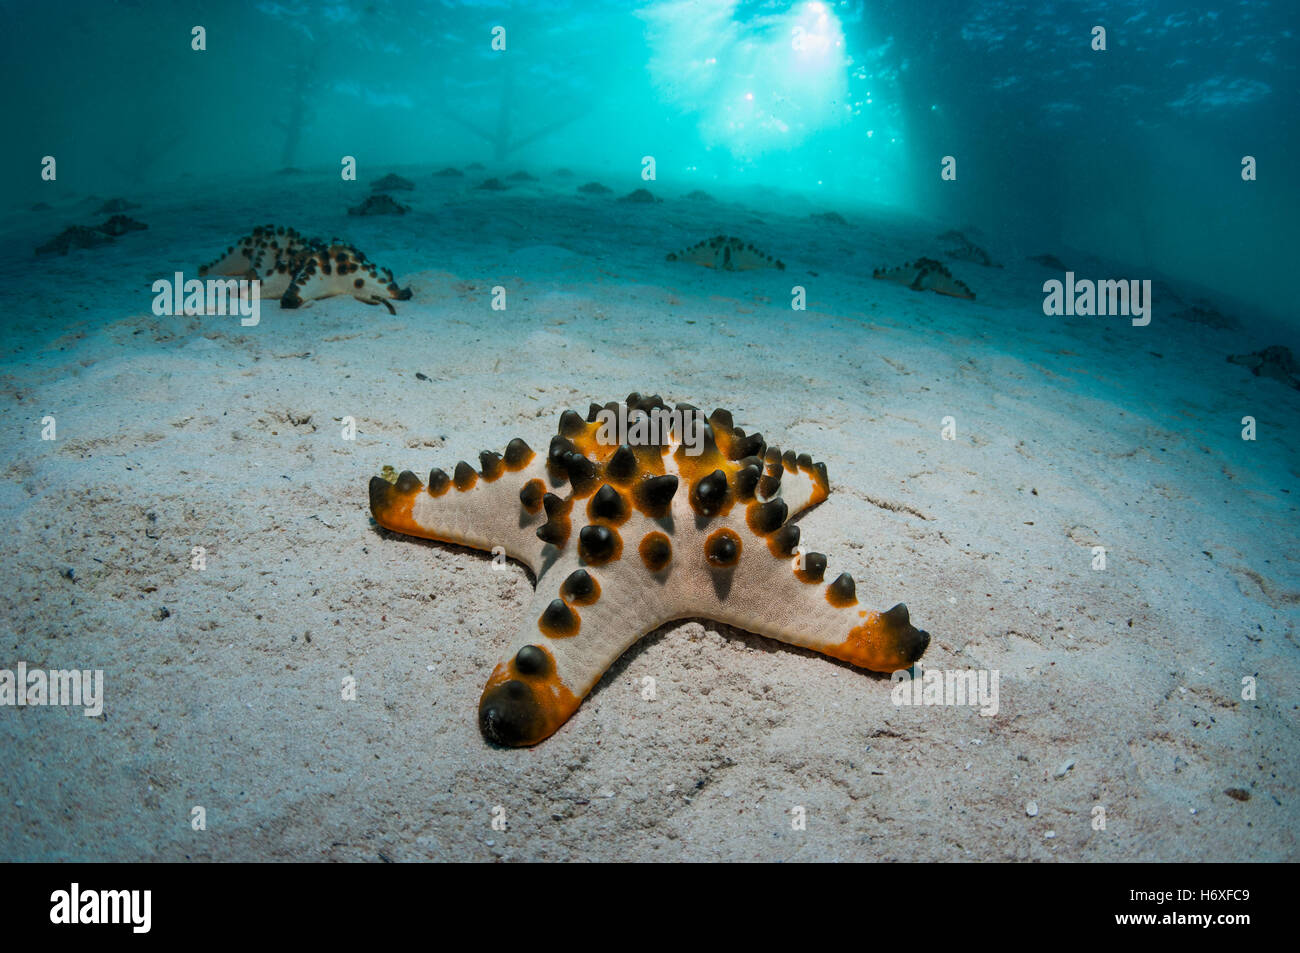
{"x":578,"y":624}
{"x":257,"y":255}
{"x":773,"y":586}
{"x":795,"y":605}
{"x":799,"y":482}
{"x":237,"y":261}
{"x":337,"y":270}
{"x":483,"y":509}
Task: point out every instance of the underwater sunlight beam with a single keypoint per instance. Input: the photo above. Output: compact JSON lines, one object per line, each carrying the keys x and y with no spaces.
{"x":757,"y":83}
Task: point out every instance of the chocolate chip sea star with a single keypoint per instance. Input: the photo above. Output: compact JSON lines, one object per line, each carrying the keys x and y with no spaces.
{"x":638,"y":515}
{"x":297,"y":269}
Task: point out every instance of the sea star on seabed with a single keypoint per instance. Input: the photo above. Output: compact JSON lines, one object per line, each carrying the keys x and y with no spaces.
{"x":926,"y":274}
{"x":726,"y":254}
{"x":636,"y":516}
{"x":297,"y":269}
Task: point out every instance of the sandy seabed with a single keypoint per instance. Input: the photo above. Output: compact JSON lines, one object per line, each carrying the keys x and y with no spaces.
{"x":223,"y":686}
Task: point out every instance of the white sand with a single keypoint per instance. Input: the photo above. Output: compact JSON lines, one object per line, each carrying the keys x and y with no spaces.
{"x":183,"y":432}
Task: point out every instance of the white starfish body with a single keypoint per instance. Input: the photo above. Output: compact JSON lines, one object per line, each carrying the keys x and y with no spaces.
{"x":295,"y":269}
{"x":623,"y":538}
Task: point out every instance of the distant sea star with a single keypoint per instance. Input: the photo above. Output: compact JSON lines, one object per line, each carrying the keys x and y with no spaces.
{"x":926,"y":274}
{"x":636,"y":516}
{"x":726,"y":254}
{"x":297,"y":269}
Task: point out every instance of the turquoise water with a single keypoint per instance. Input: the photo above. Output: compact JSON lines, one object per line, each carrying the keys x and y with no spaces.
{"x":1134,"y":151}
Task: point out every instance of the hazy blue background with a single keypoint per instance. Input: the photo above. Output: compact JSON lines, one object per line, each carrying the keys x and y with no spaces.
{"x":1134,"y":153}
